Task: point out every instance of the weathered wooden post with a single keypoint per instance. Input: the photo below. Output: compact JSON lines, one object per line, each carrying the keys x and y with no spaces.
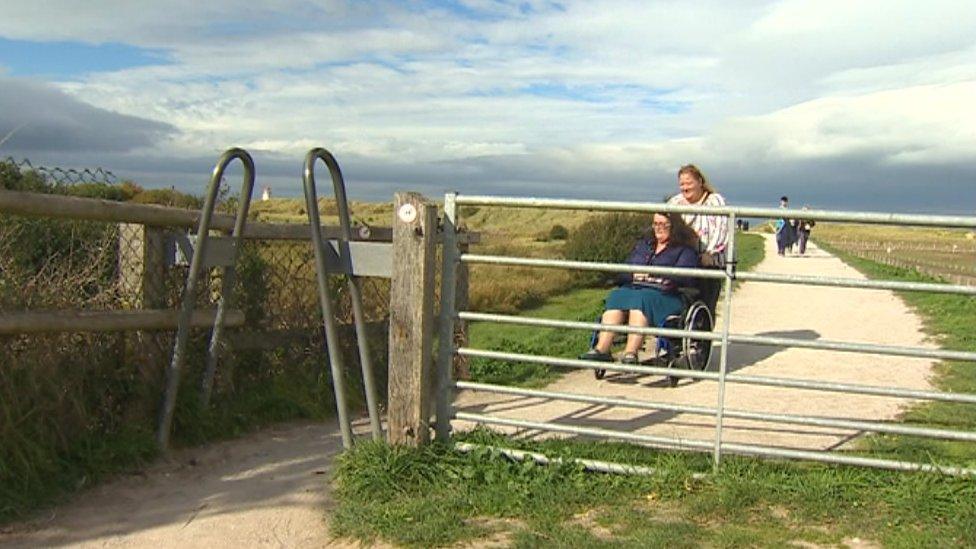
{"x":142,"y":269}
{"x":142,"y":265}
{"x":411,"y":319}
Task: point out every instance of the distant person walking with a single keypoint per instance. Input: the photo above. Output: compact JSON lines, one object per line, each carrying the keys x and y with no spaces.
{"x":803,"y":228}
{"x":784,"y":229}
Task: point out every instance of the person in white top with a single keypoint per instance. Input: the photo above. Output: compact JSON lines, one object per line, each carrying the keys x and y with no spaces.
{"x":713,"y":230}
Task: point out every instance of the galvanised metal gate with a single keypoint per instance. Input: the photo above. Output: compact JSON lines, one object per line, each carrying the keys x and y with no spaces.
{"x":453,"y":258}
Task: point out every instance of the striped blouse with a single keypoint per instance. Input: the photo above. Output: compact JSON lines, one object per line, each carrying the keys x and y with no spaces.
{"x":712,"y":229}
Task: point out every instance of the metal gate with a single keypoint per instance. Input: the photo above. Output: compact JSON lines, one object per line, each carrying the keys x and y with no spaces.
{"x":447,"y":387}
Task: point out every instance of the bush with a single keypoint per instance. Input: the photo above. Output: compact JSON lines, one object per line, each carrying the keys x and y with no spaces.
{"x":97,"y":190}
{"x":168,"y":197}
{"x":12,"y":179}
{"x":606,"y":239}
{"x":558,"y":232}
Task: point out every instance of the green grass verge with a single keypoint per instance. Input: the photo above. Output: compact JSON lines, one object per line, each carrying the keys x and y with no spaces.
{"x":435,"y":496}
{"x":578,"y":305}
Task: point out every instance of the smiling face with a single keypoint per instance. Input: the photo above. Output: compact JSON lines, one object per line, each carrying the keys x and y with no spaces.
{"x":662,"y":229}
{"x":691,"y":187}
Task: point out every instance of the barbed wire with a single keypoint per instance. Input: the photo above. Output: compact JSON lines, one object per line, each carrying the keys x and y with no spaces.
{"x":62,"y":176}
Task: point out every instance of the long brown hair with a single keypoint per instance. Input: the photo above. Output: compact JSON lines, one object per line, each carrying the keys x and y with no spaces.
{"x":681,"y":234}
{"x":697,"y":174}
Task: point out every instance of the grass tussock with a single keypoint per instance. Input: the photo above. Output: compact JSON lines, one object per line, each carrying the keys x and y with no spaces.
{"x":435,"y":496}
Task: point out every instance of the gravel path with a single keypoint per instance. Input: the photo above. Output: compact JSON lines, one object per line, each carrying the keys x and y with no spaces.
{"x":270,"y":488}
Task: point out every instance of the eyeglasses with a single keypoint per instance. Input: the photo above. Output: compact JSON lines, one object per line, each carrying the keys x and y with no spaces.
{"x":660,"y":225}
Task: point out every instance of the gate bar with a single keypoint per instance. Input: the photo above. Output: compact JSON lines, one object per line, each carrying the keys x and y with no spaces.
{"x":189,"y":292}
{"x":772,"y":213}
{"x":735,"y":378}
{"x":723,"y":365}
{"x":446,"y":346}
{"x":695,"y":444}
{"x":815,"y":421}
{"x":715,"y":274}
{"x":322,"y":277}
{"x":733,"y":338}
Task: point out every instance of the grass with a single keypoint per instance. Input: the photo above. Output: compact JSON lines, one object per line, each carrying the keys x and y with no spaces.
{"x":434,"y":496}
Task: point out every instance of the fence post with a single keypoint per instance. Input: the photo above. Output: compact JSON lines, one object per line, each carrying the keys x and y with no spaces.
{"x":411,"y":319}
{"x":141,"y":265}
{"x":142,"y":269}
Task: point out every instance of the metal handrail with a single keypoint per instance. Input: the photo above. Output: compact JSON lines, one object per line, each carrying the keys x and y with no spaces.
{"x":843,"y":346}
{"x":355,"y":292}
{"x":723,"y":211}
{"x":189,"y":295}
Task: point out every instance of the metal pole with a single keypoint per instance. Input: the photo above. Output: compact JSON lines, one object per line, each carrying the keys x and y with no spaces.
{"x":227,"y":286}
{"x":322,"y":279}
{"x":355,"y":289}
{"x":724,"y":354}
{"x":189,"y":293}
{"x":445,"y":352}
{"x":740,"y":211}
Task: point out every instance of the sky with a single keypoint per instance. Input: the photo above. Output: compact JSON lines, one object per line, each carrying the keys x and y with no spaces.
{"x":841,"y":104}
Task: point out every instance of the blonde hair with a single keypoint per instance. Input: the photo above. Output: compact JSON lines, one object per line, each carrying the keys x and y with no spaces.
{"x":697,"y":174}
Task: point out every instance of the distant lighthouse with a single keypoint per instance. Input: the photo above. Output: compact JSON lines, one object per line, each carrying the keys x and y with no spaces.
{"x":265,"y":194}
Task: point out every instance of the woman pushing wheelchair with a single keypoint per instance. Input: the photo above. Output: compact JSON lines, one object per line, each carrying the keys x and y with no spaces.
{"x":641,"y":299}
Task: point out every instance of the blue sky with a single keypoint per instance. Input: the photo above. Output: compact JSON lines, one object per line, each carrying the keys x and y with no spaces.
{"x":822,"y":100}
{"x":69,"y":60}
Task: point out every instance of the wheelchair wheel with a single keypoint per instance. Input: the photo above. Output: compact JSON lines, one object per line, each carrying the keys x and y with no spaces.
{"x":696,"y":352}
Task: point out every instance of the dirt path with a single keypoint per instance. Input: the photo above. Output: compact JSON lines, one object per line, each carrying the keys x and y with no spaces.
{"x":270,"y":488}
{"x":775,"y":310}
{"x":267,"y":489}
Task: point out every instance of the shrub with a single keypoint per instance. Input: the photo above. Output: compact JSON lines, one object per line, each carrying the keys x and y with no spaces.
{"x":607,"y":239}
{"x":12,"y":179}
{"x":168,"y":197}
{"x":558,"y":232}
{"x":104,"y":191}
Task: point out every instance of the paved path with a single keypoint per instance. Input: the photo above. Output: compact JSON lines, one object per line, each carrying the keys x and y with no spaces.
{"x":270,"y":488}
{"x":776,"y":310}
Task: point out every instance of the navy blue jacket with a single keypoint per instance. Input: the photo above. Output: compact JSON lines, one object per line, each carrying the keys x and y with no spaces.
{"x":671,"y":256}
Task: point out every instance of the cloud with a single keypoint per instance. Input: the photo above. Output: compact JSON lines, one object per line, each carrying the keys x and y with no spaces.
{"x":47,"y":119}
{"x":574,"y":98}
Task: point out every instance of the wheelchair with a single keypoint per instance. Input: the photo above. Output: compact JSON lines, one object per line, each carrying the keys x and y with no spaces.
{"x":682,"y":353}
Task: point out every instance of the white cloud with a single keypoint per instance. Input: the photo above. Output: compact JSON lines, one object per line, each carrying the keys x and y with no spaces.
{"x":623,"y":88}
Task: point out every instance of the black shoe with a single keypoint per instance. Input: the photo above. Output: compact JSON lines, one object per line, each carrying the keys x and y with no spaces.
{"x":629,"y":358}
{"x":593,"y":354}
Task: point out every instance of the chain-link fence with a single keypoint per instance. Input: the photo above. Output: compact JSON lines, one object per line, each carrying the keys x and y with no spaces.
{"x":63,"y":176}
{"x":61,"y":391}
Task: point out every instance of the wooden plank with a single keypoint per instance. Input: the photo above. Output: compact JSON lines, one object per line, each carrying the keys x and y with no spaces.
{"x":411,"y":319}
{"x":32,"y":322}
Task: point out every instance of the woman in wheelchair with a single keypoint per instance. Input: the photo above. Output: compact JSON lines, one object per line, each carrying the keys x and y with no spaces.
{"x":643,"y":300}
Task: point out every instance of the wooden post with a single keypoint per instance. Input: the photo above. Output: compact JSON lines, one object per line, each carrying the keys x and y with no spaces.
{"x":411,"y":319}
{"x":141,"y":265}
{"x":142,"y":269}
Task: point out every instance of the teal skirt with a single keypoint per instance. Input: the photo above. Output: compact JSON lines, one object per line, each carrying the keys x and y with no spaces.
{"x":655,"y":304}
